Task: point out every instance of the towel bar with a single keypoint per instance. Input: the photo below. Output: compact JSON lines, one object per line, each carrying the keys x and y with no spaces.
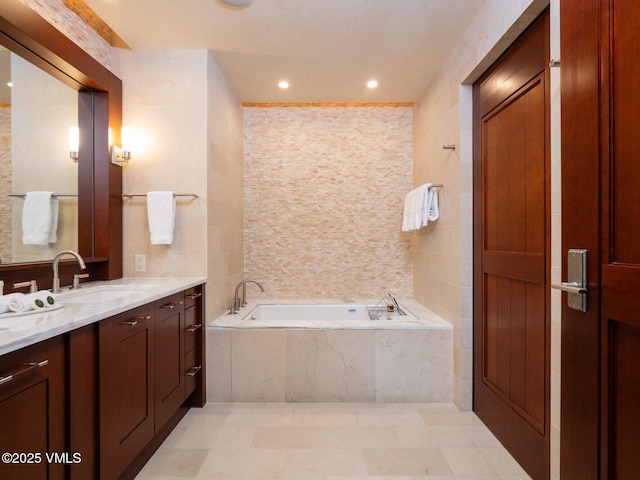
{"x":131,"y":195}
{"x":23,"y":195}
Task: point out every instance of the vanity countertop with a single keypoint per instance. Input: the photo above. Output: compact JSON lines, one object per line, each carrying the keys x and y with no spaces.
{"x":24,"y":330}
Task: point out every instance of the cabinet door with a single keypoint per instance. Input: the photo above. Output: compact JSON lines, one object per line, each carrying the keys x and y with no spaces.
{"x":169,"y":357}
{"x":126,"y":388}
{"x":32,"y":411}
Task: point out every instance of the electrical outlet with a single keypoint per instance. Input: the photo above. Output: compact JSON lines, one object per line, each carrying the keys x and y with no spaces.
{"x":141,"y":263}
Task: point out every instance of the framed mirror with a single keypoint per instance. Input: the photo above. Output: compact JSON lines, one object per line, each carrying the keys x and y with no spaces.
{"x":98,"y":183}
{"x":36,"y":114}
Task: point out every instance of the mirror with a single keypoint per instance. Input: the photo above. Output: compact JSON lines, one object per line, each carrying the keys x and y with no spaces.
{"x":99,"y":111}
{"x":35,"y":114}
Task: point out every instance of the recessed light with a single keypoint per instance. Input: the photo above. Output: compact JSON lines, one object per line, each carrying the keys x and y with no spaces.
{"x":372,"y":84}
{"x":283,"y":84}
{"x":236,"y":3}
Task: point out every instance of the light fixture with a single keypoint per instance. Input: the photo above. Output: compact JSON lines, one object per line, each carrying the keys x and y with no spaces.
{"x":283,"y":84}
{"x":9,"y":84}
{"x":127,"y":142}
{"x":123,"y":155}
{"x":74,"y":142}
{"x":372,"y":84}
{"x":236,"y":3}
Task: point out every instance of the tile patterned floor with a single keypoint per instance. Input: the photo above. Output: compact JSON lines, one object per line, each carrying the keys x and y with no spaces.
{"x":331,"y":441}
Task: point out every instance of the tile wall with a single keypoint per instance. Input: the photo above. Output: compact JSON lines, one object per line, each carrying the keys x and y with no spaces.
{"x":186,"y":145}
{"x":324,"y":192}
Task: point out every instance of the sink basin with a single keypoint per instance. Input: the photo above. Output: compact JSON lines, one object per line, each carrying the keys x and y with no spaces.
{"x":101,"y":294}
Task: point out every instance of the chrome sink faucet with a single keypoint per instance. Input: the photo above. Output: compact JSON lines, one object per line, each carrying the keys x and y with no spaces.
{"x":237,"y":303}
{"x":55,"y":288}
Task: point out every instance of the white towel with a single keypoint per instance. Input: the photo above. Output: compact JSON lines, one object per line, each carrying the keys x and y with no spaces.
{"x":430,"y":211}
{"x":39,"y":218}
{"x":420,"y":207}
{"x":413,"y":206}
{"x":13,"y":302}
{"x":161,"y":209}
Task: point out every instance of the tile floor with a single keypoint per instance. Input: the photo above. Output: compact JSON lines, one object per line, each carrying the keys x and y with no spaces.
{"x":331,"y":441}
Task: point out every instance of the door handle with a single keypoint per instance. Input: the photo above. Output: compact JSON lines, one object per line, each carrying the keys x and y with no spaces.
{"x":570,"y":287}
{"x":576,"y":286}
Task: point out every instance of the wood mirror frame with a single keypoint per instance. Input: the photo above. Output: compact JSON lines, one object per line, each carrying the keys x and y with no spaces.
{"x":99,"y":111}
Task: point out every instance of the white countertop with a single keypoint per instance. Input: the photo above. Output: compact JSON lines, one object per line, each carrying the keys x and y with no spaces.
{"x":24,"y":330}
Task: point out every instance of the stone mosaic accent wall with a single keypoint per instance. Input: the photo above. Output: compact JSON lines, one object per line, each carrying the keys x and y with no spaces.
{"x":5,"y":184}
{"x":324,"y":191}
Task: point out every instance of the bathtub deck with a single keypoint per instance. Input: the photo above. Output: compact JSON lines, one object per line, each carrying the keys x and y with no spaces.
{"x":331,"y":365}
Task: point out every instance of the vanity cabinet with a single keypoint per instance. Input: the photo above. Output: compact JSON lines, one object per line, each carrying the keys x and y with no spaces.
{"x":98,"y":401}
{"x":33,"y":415}
{"x":169,"y":357}
{"x":126,"y":371}
{"x":150,"y":372}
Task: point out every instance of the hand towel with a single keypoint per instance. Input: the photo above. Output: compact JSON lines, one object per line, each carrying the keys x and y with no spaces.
{"x":13,"y":302}
{"x":161,"y":210}
{"x":430,"y":210}
{"x":412,"y":218}
{"x":39,"y":218}
{"x":433,"y":213}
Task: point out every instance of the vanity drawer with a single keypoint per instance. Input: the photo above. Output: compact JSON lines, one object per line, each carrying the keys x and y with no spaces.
{"x":169,"y":305}
{"x":192,"y":296}
{"x":193,"y":371}
{"x":193,"y":328}
{"x":127,"y":324}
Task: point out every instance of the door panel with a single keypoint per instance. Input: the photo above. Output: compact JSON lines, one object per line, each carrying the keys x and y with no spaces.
{"x":600,"y":417}
{"x":511,"y":249}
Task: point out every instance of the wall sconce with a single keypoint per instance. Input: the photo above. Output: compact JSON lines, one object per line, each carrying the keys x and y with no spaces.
{"x":123,"y":155}
{"x":74,"y":143}
{"x":127,"y":142}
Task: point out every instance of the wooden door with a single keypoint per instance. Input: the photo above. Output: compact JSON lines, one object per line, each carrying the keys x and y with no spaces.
{"x":512,"y":249}
{"x":600,"y":417}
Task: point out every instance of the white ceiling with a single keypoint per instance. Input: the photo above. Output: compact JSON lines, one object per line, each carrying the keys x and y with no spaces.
{"x":326,"y":49}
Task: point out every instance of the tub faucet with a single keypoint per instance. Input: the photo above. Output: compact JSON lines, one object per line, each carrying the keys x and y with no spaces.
{"x":396,"y":304}
{"x":55,"y":287}
{"x":237,"y":302}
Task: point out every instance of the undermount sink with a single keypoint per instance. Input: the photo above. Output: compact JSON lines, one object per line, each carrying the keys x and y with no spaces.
{"x":101,"y":294}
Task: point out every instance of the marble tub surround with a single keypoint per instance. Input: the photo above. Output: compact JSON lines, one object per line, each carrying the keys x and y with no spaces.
{"x":22,"y":331}
{"x":376,"y":364}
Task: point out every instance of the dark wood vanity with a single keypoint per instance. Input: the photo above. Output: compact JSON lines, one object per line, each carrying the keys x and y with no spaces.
{"x":105,"y":396}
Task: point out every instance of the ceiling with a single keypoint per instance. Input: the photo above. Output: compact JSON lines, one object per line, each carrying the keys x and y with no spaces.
{"x":326,"y":49}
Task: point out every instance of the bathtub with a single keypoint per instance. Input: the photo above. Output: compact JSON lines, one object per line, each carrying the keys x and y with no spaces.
{"x":328,"y":316}
{"x":306,"y":352}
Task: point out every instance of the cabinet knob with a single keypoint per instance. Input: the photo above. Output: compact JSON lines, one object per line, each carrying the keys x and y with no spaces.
{"x":193,"y":296}
{"x":193,"y":371}
{"x":194,"y":328}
